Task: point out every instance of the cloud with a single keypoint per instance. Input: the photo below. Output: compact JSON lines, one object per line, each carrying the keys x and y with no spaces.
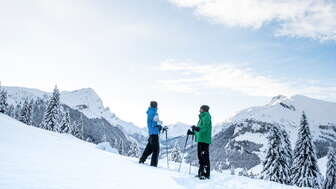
{"x":219,"y":77}
{"x":297,"y":18}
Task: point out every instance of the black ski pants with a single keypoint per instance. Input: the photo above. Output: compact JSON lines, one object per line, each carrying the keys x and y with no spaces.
{"x":152,"y":147}
{"x":204,"y":159}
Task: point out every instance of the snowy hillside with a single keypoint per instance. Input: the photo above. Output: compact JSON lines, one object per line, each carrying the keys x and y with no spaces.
{"x":35,"y":158}
{"x":84,"y":100}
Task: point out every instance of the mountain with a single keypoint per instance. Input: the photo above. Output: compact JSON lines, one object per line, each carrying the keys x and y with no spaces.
{"x":85,"y":100}
{"x":35,"y":158}
{"x":178,"y":129}
{"x":86,"y":108}
{"x":241,"y":140}
{"x":284,"y":110}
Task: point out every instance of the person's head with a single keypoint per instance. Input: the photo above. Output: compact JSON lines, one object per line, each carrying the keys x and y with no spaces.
{"x":153,"y":104}
{"x":204,"y":108}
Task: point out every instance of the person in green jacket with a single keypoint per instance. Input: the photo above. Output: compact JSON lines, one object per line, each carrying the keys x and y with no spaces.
{"x":203,"y":132}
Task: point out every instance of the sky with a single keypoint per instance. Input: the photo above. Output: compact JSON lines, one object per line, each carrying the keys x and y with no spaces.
{"x":182,"y":53}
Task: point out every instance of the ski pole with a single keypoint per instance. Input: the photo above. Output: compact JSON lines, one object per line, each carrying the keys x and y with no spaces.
{"x":184,"y":149}
{"x":167,"y":148}
{"x":192,"y":145}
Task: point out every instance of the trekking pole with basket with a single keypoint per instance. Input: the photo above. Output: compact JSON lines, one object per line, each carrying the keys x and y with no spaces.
{"x":183,"y":153}
{"x":167,"y":147}
{"x":192,"y":145}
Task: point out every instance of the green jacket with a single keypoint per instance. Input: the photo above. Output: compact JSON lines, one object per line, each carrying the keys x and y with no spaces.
{"x":205,"y":125}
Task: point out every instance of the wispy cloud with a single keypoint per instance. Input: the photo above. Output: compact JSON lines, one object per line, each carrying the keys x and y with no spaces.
{"x":202,"y":77}
{"x":298,"y":18}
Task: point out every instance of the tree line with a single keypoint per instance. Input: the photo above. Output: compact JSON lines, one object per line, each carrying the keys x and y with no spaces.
{"x":299,"y":166}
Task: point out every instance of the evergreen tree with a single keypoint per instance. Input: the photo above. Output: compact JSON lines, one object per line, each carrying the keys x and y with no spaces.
{"x":275,"y":166}
{"x":89,"y":139}
{"x":287,"y":146}
{"x":134,"y":150}
{"x":104,"y":138}
{"x":51,"y":115}
{"x":175,"y":155}
{"x":121,"y":147}
{"x":18,"y":111}
{"x":305,"y":171}
{"x":330,"y":181}
{"x":3,"y":100}
{"x":65,"y":126}
{"x":76,"y":130}
{"x":11,"y":111}
{"x":26,"y":113}
{"x":232,"y":169}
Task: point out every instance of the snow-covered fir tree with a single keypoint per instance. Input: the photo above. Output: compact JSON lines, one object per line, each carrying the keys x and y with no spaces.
{"x":232,"y":169}
{"x":11,"y":111}
{"x":175,"y":155}
{"x":76,"y":130}
{"x":330,"y":180}
{"x":89,"y":139}
{"x":121,"y":147}
{"x":243,"y":172}
{"x":26,"y":112}
{"x":305,"y":171}
{"x":51,"y":115}
{"x":65,"y":126}
{"x":275,"y":166}
{"x":17,"y":111}
{"x":287,"y":147}
{"x":3,"y":100}
{"x":134,"y":150}
{"x":104,"y":138}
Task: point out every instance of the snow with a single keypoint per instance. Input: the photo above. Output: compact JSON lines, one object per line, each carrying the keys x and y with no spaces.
{"x":84,"y":100}
{"x":105,"y":146}
{"x":258,"y":138}
{"x":317,"y":111}
{"x":34,"y":158}
{"x":178,"y":129}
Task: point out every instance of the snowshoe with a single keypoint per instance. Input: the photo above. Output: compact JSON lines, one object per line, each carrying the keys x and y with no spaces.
{"x":202,"y":178}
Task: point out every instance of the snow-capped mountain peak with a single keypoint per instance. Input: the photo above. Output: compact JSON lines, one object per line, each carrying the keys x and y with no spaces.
{"x":277,"y":99}
{"x":85,"y":100}
{"x":282,"y":109}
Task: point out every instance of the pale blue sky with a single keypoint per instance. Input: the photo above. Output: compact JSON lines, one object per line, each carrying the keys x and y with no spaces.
{"x":182,"y":53}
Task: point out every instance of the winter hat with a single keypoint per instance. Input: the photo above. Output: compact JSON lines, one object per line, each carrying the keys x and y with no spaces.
{"x":153,"y":104}
{"x":205,"y":108}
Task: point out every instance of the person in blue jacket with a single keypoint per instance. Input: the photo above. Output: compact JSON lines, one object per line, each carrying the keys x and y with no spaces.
{"x":154,"y":128}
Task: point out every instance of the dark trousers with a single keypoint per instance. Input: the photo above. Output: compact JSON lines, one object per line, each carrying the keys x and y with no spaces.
{"x":204,"y":159}
{"x":153,"y":147}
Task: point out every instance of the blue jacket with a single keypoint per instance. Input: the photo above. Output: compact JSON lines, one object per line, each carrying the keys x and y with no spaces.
{"x":153,"y":127}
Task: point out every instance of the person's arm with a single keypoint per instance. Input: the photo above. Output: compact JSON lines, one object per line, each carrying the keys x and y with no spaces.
{"x":157,"y":119}
{"x":151,"y":116}
{"x":205,"y":125}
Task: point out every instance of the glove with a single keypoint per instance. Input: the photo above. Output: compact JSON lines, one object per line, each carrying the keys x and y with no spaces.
{"x":165,"y":128}
{"x":194,"y":128}
{"x":190,"y":132}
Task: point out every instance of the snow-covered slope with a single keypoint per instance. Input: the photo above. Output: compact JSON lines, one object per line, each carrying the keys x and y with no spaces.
{"x":84,"y":100}
{"x":34,"y":158}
